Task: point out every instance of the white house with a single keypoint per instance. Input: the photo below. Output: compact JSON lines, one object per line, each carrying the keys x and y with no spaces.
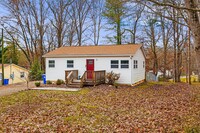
{"x":127,"y":60}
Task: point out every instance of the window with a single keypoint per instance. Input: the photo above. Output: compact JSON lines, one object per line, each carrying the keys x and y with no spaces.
{"x":22,"y":75}
{"x":143,"y":64}
{"x":51,"y":63}
{"x":90,"y":62}
{"x":135,"y":64}
{"x":124,"y":63}
{"x":114,"y":64}
{"x":70,"y":63}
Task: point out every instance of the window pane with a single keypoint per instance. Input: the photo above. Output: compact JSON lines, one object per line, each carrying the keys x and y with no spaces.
{"x":51,"y":63}
{"x":70,"y":63}
{"x":124,"y":66}
{"x":70,"y":66}
{"x":90,"y":62}
{"x":22,"y":74}
{"x":124,"y":62}
{"x":114,"y":63}
{"x":143,"y":64}
{"x":114,"y":66}
{"x":135,"y":64}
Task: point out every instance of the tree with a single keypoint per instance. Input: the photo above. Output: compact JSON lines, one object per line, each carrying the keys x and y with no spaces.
{"x":194,"y":24}
{"x":192,"y":8}
{"x":115,"y":11}
{"x":11,"y":53}
{"x":26,"y":27}
{"x":79,"y":14}
{"x":154,"y":37}
{"x":96,"y":15}
{"x":134,"y":15}
{"x":60,"y":16}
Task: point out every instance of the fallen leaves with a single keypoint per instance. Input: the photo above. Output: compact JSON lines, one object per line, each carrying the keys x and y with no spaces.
{"x":146,"y":108}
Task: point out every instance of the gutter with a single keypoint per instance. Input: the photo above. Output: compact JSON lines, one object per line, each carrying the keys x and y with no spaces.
{"x":73,"y":56}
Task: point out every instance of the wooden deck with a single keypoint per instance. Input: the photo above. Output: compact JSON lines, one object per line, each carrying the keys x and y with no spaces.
{"x":89,"y":78}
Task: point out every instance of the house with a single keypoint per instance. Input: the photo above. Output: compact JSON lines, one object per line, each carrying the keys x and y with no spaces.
{"x":88,"y":62}
{"x":14,"y":73}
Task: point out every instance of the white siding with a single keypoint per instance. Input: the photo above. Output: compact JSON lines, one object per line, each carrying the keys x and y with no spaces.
{"x":139,"y":73}
{"x":100,"y":63}
{"x":80,"y":64}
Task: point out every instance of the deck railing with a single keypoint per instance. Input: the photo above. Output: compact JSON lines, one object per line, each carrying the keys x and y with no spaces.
{"x":88,"y":78}
{"x":70,"y":75}
{"x":95,"y":77}
{"x":99,"y":77}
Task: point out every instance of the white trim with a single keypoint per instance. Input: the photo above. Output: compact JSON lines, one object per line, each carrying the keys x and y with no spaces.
{"x":74,"y":56}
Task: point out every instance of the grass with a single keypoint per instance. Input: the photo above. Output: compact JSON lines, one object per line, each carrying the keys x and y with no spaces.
{"x":150,"y":107}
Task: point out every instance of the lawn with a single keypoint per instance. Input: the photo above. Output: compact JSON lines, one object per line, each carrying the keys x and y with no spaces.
{"x":163,"y":107}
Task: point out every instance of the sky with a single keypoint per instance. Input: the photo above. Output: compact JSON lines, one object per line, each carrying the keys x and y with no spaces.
{"x":103,"y":34}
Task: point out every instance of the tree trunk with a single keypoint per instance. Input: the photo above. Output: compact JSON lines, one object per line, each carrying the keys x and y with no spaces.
{"x":119,"y":41}
{"x":194,"y":23}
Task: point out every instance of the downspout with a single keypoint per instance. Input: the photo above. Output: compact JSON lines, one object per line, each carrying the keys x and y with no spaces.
{"x":131,"y":58}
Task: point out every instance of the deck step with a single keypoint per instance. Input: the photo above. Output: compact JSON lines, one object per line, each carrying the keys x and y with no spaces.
{"x":76,"y":81}
{"x":74,"y":84}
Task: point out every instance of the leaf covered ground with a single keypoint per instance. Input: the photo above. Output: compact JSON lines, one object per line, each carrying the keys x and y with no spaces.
{"x":163,"y":107}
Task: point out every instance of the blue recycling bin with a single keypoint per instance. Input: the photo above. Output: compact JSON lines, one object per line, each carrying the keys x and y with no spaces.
{"x":6,"y":81}
{"x":44,"y":78}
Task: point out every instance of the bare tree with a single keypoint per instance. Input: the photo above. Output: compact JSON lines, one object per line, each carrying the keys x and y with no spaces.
{"x":192,"y":7}
{"x":194,"y":23}
{"x":166,"y":29}
{"x":26,"y":23}
{"x":79,"y":14}
{"x":134,"y":15}
{"x":154,"y":37}
{"x":60,"y":18}
{"x":96,"y":14}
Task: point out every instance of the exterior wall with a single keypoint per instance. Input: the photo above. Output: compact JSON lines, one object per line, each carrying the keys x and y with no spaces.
{"x":127,"y":75}
{"x":139,"y":73}
{"x":100,"y":63}
{"x":12,"y":69}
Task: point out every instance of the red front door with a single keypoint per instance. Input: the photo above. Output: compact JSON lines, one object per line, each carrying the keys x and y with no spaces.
{"x":90,"y":68}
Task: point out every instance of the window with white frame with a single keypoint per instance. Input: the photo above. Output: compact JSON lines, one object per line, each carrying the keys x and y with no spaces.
{"x":22,"y":74}
{"x":124,"y":63}
{"x":135,"y":64}
{"x":70,"y":63}
{"x":114,"y":63}
{"x":51,"y":63}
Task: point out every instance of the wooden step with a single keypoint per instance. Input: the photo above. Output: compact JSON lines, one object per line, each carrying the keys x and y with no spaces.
{"x":76,"y":81}
{"x":74,"y":85}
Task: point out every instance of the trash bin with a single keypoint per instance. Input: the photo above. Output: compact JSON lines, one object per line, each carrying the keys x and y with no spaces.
{"x":6,"y":81}
{"x":44,"y":78}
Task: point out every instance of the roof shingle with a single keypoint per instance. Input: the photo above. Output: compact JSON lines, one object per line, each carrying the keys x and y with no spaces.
{"x":126,"y":49}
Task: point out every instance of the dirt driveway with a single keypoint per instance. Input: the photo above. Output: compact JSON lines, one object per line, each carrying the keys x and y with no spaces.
{"x":9,"y":89}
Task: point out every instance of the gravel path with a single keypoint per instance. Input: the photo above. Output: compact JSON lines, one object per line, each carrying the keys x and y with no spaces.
{"x":10,"y":89}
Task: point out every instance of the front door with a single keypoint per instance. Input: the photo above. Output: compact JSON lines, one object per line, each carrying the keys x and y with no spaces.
{"x":90,"y":68}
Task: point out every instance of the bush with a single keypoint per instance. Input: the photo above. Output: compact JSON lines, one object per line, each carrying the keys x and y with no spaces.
{"x":59,"y":82}
{"x":49,"y":82}
{"x":111,"y":77}
{"x":37,"y":84}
